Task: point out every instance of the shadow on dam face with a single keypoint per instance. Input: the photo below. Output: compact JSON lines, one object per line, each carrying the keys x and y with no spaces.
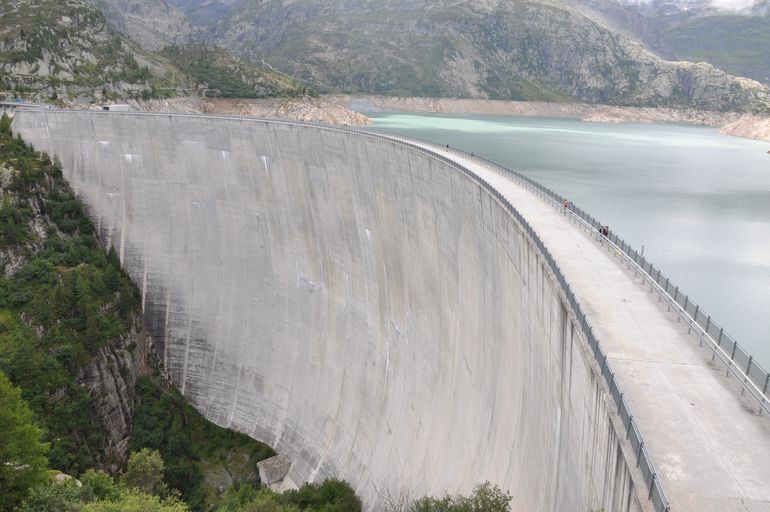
{"x":361,"y":306}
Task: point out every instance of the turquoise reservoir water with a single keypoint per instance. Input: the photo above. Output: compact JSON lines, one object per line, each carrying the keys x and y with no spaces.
{"x":698,"y":201}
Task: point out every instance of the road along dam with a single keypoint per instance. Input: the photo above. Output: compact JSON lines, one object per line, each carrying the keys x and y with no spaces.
{"x":408,"y":318}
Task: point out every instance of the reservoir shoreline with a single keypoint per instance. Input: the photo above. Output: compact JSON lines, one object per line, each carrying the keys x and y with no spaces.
{"x":729,"y":123}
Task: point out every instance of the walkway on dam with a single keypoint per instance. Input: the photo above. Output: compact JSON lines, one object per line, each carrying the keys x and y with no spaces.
{"x":710,"y":447}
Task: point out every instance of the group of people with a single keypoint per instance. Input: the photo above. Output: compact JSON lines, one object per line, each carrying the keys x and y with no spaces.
{"x":603,"y":230}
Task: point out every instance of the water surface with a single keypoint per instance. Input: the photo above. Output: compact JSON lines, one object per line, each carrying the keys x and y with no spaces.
{"x":698,"y":201}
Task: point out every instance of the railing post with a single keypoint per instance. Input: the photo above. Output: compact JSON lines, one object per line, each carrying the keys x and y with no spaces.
{"x":676,"y":292}
{"x":732,"y":359}
{"x":767,"y":381}
{"x":652,"y":485}
{"x":639,"y":452}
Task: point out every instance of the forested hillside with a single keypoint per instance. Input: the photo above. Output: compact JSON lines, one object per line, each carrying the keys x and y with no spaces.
{"x":72,"y":341}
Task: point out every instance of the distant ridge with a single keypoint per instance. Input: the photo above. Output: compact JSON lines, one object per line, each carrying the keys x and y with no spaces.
{"x":590,"y":50}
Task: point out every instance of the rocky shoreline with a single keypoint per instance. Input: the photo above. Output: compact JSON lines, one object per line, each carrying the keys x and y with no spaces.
{"x":729,"y":123}
{"x":351,"y":111}
{"x":298,"y":109}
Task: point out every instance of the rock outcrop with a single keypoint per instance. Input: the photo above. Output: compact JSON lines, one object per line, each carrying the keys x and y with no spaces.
{"x":151,"y":24}
{"x":304,"y":109}
{"x":61,"y":52}
{"x":295,"y":109}
{"x":110,"y":379}
{"x":754,"y":127}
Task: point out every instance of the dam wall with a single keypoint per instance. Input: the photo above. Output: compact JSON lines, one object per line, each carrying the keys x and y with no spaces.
{"x":367,"y":309}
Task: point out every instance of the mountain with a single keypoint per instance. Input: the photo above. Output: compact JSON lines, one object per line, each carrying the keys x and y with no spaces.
{"x":735,"y":39}
{"x":65,"y":51}
{"x":628,"y":22}
{"x":553,"y":50}
{"x":68,"y":53}
{"x":152,"y":25}
{"x":225,"y":76}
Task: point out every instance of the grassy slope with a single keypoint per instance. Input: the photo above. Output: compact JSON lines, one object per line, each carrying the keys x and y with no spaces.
{"x":227,"y":77}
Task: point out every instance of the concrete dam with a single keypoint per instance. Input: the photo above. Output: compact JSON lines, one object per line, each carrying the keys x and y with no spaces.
{"x":402,"y":317}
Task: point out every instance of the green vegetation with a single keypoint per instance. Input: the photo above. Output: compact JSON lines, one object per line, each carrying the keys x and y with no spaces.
{"x":62,"y":300}
{"x":98,"y":492}
{"x":199,"y":456}
{"x":227,"y":77}
{"x":22,"y":455}
{"x":51,"y":48}
{"x":144,"y":473}
{"x":485,"y":497}
{"x":61,"y":52}
{"x":330,"y":496}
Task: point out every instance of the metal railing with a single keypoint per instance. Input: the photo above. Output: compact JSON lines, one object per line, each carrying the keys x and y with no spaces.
{"x":753,"y":379}
{"x":654,"y":490}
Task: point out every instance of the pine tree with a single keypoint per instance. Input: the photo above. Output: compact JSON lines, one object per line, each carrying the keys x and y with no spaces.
{"x":22,"y":454}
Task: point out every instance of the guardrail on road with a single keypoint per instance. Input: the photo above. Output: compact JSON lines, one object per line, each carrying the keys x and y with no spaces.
{"x":752,"y":377}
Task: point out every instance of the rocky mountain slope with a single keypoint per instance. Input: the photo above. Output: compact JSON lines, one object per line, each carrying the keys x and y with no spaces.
{"x":735,"y":39}
{"x":65,"y":50}
{"x":152,"y":25}
{"x":591,"y":50}
{"x":224,"y":76}
{"x":630,"y":23}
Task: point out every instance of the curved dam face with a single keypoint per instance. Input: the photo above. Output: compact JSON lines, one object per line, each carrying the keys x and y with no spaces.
{"x":365,"y":308}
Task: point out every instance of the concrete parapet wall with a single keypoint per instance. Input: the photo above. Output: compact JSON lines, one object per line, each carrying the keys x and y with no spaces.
{"x":366,"y":309}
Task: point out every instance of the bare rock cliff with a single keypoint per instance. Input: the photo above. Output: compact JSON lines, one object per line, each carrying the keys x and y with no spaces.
{"x":110,"y":379}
